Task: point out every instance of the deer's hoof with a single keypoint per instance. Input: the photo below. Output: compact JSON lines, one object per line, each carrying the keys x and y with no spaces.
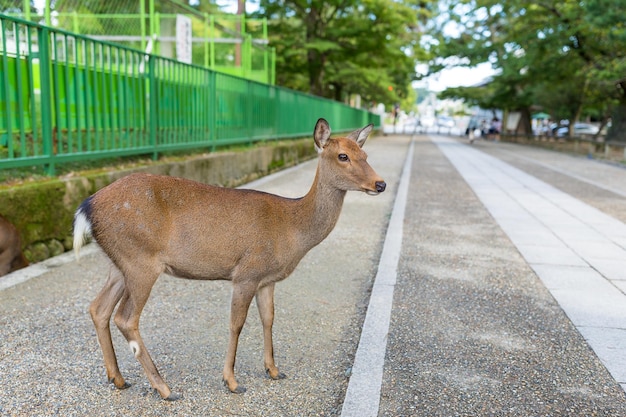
{"x":279,"y":375}
{"x":124,"y":385}
{"x":237,"y":390}
{"x":173,"y":396}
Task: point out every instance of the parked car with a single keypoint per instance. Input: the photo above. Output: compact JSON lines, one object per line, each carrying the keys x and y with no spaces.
{"x":445,"y":121}
{"x":580,"y":129}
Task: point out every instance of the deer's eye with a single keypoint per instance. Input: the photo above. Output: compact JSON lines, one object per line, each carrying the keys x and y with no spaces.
{"x":343,"y":157}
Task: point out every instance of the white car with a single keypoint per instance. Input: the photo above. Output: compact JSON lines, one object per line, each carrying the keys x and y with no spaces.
{"x":580,"y":129}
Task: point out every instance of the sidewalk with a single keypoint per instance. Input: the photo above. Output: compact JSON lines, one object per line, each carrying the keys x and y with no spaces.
{"x":473,"y":329}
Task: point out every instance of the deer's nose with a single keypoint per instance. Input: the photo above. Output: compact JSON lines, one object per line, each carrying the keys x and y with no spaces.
{"x":380,"y":186}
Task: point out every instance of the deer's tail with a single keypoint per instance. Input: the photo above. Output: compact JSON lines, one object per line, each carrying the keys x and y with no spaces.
{"x":82,"y":225}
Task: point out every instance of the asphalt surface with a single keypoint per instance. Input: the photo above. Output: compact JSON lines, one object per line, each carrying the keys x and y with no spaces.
{"x":474,"y":328}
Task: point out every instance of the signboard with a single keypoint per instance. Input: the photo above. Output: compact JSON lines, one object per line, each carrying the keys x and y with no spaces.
{"x":183,"y":38}
{"x":512,"y":121}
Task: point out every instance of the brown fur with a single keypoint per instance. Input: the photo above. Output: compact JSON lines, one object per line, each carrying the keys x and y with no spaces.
{"x":11,"y":256}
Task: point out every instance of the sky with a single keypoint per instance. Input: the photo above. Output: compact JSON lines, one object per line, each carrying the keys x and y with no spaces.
{"x":457,"y":77}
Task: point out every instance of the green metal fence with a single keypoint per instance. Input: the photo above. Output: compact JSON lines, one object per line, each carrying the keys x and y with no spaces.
{"x":65,"y":97}
{"x":216,"y":40}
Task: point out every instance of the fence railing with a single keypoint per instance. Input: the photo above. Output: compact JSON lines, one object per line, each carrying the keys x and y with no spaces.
{"x":66,"y":97}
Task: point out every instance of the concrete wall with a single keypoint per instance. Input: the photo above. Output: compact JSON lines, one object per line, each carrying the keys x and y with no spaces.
{"x":43,"y":211}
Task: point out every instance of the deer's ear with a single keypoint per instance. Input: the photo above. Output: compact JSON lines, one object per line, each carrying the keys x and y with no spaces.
{"x":321,"y":134}
{"x":360,"y":135}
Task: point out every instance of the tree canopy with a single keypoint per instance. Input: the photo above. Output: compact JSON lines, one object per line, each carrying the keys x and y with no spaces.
{"x":337,"y":48}
{"x":564,"y":58}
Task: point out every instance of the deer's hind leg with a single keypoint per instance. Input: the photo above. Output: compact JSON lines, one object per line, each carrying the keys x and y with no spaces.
{"x":139,"y":280}
{"x":101,"y":310}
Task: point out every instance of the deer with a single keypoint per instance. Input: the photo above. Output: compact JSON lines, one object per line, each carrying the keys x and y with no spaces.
{"x":11,"y":256}
{"x":149,"y":224}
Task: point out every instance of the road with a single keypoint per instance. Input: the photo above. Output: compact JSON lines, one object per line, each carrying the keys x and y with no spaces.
{"x":504,"y":270}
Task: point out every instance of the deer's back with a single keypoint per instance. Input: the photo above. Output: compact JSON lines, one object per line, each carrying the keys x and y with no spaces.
{"x":194,"y":230}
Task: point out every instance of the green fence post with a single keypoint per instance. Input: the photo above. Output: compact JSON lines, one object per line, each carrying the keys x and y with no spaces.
{"x":5,"y":90}
{"x":266,"y":70}
{"x":75,"y":26}
{"x":273,"y":67}
{"x":212,"y":109}
{"x":43,"y":40}
{"x":47,"y":11}
{"x":142,"y":23}
{"x":26,"y":6}
{"x":152,"y":109}
{"x":206,"y":41}
{"x":152,"y":18}
{"x":212,"y":44}
{"x":249,"y":116}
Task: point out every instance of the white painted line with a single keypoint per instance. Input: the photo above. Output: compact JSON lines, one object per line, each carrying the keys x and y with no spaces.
{"x":363,"y":394}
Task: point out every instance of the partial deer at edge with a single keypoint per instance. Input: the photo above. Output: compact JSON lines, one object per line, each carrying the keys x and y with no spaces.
{"x":148,"y":225}
{"x":11,"y":256}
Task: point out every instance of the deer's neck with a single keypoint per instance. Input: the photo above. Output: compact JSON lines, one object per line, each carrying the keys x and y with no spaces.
{"x":319,"y":211}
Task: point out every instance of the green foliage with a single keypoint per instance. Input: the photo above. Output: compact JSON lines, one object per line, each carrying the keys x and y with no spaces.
{"x":14,"y":6}
{"x":562,"y":57}
{"x":342,"y":47}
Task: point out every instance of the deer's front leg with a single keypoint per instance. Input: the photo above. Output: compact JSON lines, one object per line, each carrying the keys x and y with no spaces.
{"x":242,"y":297}
{"x":265,"y":303}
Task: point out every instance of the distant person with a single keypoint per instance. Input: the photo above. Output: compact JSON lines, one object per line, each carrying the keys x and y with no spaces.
{"x":495,"y":128}
{"x":483,"y":128}
{"x":396,"y":113}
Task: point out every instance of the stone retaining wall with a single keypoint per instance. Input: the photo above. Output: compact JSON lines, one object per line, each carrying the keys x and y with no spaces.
{"x":613,"y":151}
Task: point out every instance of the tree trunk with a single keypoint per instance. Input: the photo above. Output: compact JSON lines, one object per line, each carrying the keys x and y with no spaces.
{"x":617,"y":132}
{"x":316,"y":72}
{"x":524,"y":126}
{"x":315,"y":59}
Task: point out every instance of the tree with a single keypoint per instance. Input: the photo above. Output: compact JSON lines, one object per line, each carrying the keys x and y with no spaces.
{"x":564,"y":57}
{"x":14,"y":6}
{"x":341,"y":47}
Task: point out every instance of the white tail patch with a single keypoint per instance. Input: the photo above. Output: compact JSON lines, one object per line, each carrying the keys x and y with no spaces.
{"x":134,"y":347}
{"x":82,"y":228}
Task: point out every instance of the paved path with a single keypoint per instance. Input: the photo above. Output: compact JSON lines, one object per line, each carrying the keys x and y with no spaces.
{"x":497,"y":288}
{"x":472,"y":365}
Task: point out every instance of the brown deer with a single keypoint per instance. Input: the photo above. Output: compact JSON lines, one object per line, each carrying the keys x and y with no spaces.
{"x":149,"y":224}
{"x":11,"y":256}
